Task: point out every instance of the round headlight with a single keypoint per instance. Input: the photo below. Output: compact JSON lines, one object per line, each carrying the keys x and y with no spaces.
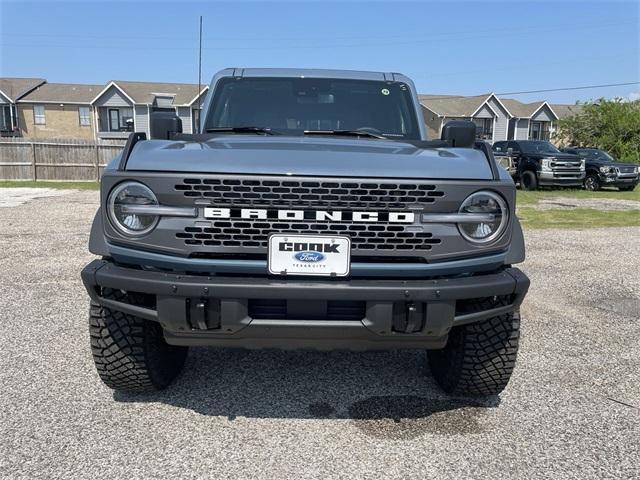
{"x":492,"y":217}
{"x":128,"y":222}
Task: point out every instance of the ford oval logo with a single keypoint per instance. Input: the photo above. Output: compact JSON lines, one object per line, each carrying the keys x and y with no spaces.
{"x":309,"y":256}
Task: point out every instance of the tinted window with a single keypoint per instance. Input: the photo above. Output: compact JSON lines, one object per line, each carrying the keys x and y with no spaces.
{"x":292,"y":105}
{"x":538,"y":146}
{"x":594,"y":154}
{"x":500,"y":145}
{"x":514,"y":146}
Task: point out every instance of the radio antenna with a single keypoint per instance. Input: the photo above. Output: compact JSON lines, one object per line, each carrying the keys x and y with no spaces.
{"x":199,"y":77}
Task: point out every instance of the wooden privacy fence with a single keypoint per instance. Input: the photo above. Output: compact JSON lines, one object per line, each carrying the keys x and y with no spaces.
{"x":22,"y":159}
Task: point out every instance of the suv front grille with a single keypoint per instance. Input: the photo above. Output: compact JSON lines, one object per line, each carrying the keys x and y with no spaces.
{"x":255,"y":233}
{"x":567,"y":168}
{"x":627,"y":171}
{"x":290,"y":193}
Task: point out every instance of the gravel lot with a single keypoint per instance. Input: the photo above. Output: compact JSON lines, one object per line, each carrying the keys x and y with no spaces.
{"x":570,"y":411}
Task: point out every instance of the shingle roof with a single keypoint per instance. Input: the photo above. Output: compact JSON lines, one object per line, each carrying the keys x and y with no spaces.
{"x":519,"y":109}
{"x":14,"y":88}
{"x":145,"y":92}
{"x":564,"y":111}
{"x":453,"y":105}
{"x":459,"y":106}
{"x":63,"y":92}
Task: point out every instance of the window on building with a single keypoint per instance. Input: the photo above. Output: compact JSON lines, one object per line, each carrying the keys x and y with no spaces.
{"x":114,"y":120}
{"x":126,"y":120}
{"x":484,"y":128}
{"x":84,"y":115}
{"x":119,"y":120}
{"x":163,"y":101}
{"x":38,"y":115}
{"x":5,"y":118}
{"x":539,"y":131}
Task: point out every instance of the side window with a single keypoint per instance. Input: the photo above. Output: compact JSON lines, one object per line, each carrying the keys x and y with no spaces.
{"x":38,"y":114}
{"x":83,"y":114}
{"x":514,"y":146}
{"x":500,"y":147}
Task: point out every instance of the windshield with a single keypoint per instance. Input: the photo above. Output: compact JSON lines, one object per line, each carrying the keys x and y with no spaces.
{"x":292,"y":106}
{"x":593,"y":154}
{"x":538,"y":146}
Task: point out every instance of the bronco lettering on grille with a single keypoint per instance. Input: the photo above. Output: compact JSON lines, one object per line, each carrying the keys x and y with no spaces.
{"x":316,"y":215}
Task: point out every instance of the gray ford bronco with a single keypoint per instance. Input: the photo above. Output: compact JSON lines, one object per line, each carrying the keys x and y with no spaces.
{"x":310,"y":212}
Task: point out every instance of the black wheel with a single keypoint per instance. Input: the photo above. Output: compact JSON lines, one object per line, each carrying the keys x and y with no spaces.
{"x":130,"y":353}
{"x":592,"y":182}
{"x":627,"y":189}
{"x":528,"y":180}
{"x":479,"y":358}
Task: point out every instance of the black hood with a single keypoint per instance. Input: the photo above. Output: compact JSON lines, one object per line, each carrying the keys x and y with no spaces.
{"x":559,"y":156}
{"x":605,"y":163}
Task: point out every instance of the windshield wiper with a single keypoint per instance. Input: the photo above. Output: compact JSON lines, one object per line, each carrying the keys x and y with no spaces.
{"x":346,"y":133}
{"x":266,"y":131}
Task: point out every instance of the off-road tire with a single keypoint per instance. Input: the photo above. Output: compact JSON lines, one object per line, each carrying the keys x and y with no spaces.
{"x":479,"y":358}
{"x":592,"y":182}
{"x":627,"y":189}
{"x":528,"y":180}
{"x":130,"y":353}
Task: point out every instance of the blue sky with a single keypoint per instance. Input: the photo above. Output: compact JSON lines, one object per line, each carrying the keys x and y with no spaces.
{"x":446,"y":47}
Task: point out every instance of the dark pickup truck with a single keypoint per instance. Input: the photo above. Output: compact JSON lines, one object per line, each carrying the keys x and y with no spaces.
{"x":604,"y":171}
{"x":538,"y":163}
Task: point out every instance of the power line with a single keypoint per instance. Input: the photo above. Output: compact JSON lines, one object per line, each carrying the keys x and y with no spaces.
{"x":584,"y":87}
{"x":564,"y":89}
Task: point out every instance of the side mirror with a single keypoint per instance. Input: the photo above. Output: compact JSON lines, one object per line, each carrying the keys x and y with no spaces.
{"x":164,"y":125}
{"x":460,"y":133}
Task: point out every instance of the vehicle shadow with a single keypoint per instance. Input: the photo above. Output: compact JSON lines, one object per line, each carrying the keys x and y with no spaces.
{"x":388,"y":393}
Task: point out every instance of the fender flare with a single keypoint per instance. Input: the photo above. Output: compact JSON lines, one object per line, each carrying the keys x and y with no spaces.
{"x":97,"y":243}
{"x":516,"y":252}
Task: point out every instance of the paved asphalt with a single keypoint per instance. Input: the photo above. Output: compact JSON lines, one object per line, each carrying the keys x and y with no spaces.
{"x":572,"y":409}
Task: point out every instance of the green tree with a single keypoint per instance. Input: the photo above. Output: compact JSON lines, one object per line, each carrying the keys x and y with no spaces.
{"x":612,"y":125}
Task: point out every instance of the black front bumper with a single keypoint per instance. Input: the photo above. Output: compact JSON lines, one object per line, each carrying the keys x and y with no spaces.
{"x":616,"y":181}
{"x":554,"y":179}
{"x":239,"y":311}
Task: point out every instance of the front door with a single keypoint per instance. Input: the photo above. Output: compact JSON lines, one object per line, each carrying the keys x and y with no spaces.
{"x":114,"y":120}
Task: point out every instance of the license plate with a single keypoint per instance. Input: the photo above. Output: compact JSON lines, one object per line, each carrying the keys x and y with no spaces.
{"x":319,"y":255}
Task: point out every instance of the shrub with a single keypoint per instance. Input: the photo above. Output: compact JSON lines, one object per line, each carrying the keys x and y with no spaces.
{"x":612,"y":125}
